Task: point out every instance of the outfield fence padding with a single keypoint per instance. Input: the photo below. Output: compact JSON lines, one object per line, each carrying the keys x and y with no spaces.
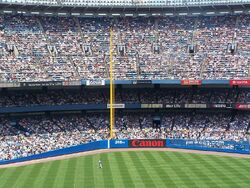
{"x":242,"y":147}
{"x":64,"y":151}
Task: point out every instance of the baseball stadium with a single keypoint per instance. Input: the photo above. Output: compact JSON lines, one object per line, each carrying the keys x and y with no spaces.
{"x":124,"y":93}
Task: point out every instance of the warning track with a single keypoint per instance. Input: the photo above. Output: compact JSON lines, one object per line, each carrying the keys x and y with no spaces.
{"x":62,"y":157}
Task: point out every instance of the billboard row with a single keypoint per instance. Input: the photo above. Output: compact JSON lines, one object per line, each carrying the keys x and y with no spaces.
{"x":138,"y":143}
{"x":98,"y":82}
{"x":207,"y":145}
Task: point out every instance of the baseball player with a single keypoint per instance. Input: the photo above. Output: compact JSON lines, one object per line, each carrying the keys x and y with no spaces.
{"x":100,"y":163}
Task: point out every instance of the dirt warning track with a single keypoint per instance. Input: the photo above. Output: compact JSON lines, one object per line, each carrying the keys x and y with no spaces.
{"x":62,"y":157}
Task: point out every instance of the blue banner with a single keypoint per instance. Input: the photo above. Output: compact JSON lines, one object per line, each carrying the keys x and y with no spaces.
{"x":118,"y":143}
{"x":215,"y":82}
{"x":42,"y":108}
{"x":167,"y":82}
{"x":211,"y":145}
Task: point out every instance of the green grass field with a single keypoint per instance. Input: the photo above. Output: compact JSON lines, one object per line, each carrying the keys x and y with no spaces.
{"x":132,"y":169}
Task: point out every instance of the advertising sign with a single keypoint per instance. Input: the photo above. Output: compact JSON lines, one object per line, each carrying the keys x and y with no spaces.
{"x":147,"y":143}
{"x":151,"y":105}
{"x":40,"y":84}
{"x":191,"y":82}
{"x":239,"y":82}
{"x":218,"y":105}
{"x":118,"y":143}
{"x":72,"y":83}
{"x":142,"y":82}
{"x":95,"y":82}
{"x":243,"y":106}
{"x":9,"y":84}
{"x":195,"y":105}
{"x":116,"y":106}
{"x":211,"y":145}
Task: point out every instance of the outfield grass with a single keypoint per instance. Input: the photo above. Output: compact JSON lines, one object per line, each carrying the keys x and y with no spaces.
{"x":132,"y":169}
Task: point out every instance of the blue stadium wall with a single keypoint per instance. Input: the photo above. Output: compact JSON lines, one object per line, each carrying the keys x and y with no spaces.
{"x":242,"y":147}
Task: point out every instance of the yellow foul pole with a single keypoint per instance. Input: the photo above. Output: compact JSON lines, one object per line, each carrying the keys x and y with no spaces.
{"x":112,"y":87}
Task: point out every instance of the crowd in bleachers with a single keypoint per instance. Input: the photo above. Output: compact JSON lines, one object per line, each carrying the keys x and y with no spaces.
{"x":148,"y":96}
{"x":33,"y":135}
{"x":40,"y":48}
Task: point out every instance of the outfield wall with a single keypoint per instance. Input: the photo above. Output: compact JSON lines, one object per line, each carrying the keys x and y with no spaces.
{"x":242,"y":147}
{"x":65,"y":151}
{"x":206,"y":145}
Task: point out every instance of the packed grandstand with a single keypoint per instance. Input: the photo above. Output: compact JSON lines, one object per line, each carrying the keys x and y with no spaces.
{"x":126,"y":95}
{"x":34,"y":135}
{"x":62,"y":49}
{"x":40,"y":48}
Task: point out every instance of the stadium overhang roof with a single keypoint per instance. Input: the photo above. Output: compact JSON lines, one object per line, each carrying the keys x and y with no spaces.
{"x":109,"y":10}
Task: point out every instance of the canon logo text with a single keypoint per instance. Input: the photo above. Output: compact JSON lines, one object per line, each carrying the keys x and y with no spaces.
{"x":147,"y":143}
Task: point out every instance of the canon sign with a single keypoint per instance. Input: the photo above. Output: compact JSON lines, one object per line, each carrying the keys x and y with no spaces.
{"x":147,"y":143}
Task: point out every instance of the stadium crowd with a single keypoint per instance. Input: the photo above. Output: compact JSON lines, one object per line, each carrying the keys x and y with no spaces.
{"x":33,"y":135}
{"x":101,"y":96}
{"x":46,"y":48}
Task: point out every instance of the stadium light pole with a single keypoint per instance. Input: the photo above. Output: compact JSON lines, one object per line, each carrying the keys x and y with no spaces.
{"x":112,"y":87}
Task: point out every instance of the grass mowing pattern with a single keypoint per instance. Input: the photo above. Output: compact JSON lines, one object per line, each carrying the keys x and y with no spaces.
{"x":132,"y":169}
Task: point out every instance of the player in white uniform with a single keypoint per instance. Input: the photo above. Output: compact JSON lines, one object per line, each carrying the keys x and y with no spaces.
{"x":100,"y":163}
